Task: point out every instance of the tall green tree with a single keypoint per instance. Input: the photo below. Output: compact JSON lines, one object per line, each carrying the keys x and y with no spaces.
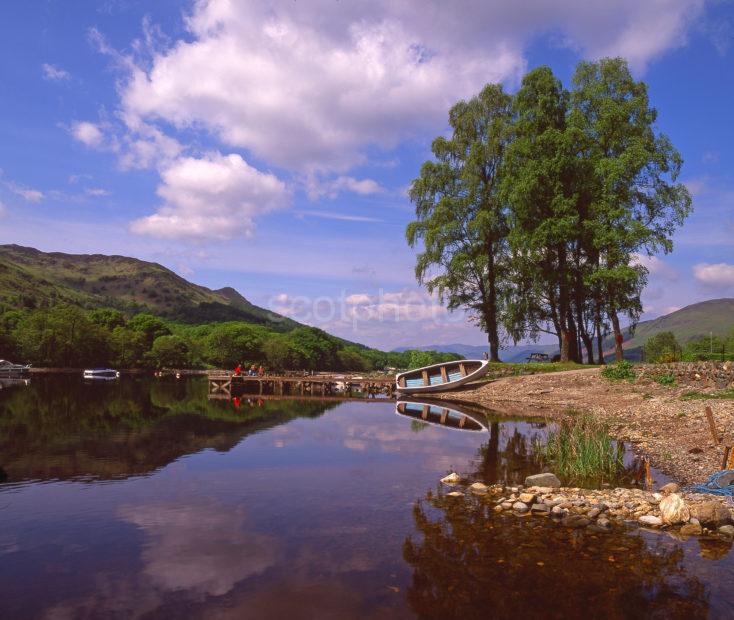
{"x":460,"y":218}
{"x":542,"y":182}
{"x":635,"y":203}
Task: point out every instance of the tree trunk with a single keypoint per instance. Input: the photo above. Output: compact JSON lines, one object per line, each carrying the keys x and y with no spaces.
{"x":618,"y":337}
{"x":564,"y":306}
{"x":589,"y":345}
{"x":491,"y":313}
{"x":597,"y":331}
{"x":574,"y":353}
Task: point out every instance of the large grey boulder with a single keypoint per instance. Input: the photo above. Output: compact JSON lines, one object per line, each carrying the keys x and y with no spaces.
{"x":543,"y":480}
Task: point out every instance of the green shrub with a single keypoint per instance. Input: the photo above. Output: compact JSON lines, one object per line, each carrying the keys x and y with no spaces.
{"x":621,"y":371}
{"x":662,"y":348}
{"x":668,"y":379}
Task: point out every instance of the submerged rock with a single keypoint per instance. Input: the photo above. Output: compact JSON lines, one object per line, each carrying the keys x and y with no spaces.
{"x":543,"y":480}
{"x":479,"y":488}
{"x":691,"y":529}
{"x":452,"y":478}
{"x":711,"y":514}
{"x":604,"y":523}
{"x":575,"y":521}
{"x":673,"y":509}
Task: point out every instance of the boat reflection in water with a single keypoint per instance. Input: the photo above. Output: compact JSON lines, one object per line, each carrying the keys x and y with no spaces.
{"x":441,"y":414}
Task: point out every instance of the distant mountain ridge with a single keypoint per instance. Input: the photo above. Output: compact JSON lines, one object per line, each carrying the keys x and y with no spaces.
{"x":29,"y":278}
{"x":699,"y":320}
{"x":518,"y":353}
{"x":696,"y":321}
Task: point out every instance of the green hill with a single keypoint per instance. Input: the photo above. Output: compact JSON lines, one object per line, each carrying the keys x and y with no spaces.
{"x":31,"y":278}
{"x":715,"y":316}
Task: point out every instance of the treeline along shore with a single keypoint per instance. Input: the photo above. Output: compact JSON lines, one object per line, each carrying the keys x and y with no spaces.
{"x":66,"y":336}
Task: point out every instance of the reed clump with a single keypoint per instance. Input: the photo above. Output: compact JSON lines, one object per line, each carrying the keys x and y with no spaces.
{"x":582,"y":448}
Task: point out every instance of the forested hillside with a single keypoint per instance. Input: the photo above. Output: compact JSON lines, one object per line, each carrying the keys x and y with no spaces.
{"x":65,"y":310}
{"x":30,"y":278}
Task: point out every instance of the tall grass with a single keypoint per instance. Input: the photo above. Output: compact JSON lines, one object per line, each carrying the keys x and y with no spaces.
{"x":582,"y":448}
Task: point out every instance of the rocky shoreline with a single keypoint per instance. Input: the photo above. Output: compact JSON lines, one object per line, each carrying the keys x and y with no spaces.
{"x":659,"y":421}
{"x":677,"y":512}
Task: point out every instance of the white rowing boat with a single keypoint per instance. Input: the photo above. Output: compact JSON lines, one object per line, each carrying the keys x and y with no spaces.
{"x":440,"y":377}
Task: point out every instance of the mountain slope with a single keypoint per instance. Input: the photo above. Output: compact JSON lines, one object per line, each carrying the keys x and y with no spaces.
{"x":690,"y":323}
{"x":29,"y":277}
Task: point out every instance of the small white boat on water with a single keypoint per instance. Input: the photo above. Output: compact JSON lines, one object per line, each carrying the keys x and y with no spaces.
{"x":8,"y":369}
{"x":102,"y":374}
{"x":440,"y":377}
{"x":440,"y":414}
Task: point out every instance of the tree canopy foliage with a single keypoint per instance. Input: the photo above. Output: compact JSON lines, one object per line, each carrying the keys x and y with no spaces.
{"x":534,"y":212}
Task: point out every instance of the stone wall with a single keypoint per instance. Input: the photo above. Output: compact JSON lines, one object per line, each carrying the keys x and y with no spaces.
{"x":703,"y":375}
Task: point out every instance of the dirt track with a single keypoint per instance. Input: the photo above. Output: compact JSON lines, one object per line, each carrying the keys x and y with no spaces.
{"x":674,"y":433}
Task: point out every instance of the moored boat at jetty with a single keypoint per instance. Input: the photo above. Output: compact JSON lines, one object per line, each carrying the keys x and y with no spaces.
{"x":102,"y":374}
{"x":440,"y":414}
{"x":440,"y":377}
{"x":8,"y":369}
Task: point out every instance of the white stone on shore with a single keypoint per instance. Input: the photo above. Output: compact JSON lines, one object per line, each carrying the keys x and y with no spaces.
{"x":452,"y":478}
{"x":673,"y":509}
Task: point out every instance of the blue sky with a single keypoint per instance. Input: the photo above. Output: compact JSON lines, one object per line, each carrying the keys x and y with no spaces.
{"x":268,"y":145}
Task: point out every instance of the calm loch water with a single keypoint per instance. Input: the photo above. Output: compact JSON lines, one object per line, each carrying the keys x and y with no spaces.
{"x":144,"y":499}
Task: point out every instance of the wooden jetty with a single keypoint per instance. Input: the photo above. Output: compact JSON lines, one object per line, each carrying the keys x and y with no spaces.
{"x":224,"y":382}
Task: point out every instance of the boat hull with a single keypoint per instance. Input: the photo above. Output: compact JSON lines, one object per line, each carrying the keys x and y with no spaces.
{"x":407,"y":382}
{"x":106,"y":374}
{"x":437,"y":413}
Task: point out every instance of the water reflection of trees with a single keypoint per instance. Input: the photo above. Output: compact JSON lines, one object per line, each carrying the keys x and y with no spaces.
{"x":509,"y":461}
{"x":59,"y":427}
{"x":469,"y":562}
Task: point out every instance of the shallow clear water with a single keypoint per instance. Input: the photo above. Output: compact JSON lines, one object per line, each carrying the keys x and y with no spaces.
{"x":145,"y":499}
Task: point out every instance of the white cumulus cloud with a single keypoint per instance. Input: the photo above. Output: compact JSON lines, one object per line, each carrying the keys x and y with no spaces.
{"x":310,"y":86}
{"x":216,"y":196}
{"x":656,"y":266}
{"x":331,"y":188}
{"x":87,"y":133}
{"x":714,"y":274}
{"x":54,"y":73}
